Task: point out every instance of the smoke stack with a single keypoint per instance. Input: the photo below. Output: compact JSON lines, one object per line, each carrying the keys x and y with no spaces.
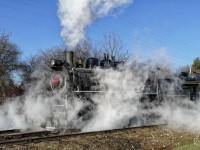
{"x":113,"y":58}
{"x":105,"y":56}
{"x":69,"y":58}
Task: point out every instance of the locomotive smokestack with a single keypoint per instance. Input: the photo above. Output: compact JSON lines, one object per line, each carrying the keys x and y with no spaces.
{"x":105,"y":56}
{"x":69,"y":58}
{"x":113,"y":58}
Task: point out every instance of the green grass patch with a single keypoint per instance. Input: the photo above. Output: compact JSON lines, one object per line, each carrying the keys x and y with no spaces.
{"x":194,"y":146}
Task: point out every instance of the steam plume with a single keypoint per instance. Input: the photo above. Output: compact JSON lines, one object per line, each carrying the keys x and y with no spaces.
{"x":76,"y":15}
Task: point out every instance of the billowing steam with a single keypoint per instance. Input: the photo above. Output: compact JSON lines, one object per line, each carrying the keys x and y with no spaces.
{"x":76,"y":15}
{"x":122,"y":103}
{"x":39,"y":107}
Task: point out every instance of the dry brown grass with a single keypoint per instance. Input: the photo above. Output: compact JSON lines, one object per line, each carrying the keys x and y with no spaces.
{"x":147,"y":139}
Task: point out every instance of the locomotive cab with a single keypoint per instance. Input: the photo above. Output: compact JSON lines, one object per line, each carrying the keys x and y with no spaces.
{"x":106,"y":62}
{"x":92,"y":63}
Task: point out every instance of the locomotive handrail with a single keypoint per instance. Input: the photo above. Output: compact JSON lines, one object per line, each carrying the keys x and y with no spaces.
{"x":191,"y":82}
{"x":112,"y":91}
{"x":83,"y":70}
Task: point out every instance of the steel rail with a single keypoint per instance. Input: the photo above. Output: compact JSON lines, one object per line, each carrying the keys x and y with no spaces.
{"x":71,"y":135}
{"x":9,"y":131}
{"x":19,"y":135}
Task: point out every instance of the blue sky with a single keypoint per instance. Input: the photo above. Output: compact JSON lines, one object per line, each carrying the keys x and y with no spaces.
{"x":145,"y":25}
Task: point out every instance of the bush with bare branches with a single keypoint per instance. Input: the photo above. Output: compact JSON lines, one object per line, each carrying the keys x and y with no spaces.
{"x":10,"y":63}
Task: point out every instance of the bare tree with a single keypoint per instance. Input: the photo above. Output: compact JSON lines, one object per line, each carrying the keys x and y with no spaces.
{"x":185,"y":68}
{"x":94,"y":49}
{"x":41,"y":61}
{"x":82,"y":50}
{"x":9,"y":63}
{"x":112,"y":45}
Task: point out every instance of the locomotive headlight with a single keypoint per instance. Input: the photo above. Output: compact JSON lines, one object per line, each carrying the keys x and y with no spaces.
{"x":52,"y":62}
{"x":56,"y":63}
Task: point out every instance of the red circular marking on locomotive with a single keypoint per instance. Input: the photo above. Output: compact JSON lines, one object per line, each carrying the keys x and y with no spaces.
{"x":56,"y":81}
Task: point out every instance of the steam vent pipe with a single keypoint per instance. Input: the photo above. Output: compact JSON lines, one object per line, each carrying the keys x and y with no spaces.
{"x":104,"y":56}
{"x":69,"y":58}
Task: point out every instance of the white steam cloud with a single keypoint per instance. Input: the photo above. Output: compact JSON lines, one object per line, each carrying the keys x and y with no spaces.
{"x":76,"y":15}
{"x":39,"y":107}
{"x":119,"y":106}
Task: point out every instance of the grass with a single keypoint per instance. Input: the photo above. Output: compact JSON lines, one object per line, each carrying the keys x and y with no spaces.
{"x":193,"y":146}
{"x":188,"y":147}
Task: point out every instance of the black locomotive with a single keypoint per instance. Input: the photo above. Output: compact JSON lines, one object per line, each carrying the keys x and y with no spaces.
{"x":76,"y":77}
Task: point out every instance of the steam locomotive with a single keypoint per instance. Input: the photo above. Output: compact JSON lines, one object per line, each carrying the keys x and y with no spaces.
{"x":75,"y":77}
{"x":78,"y":74}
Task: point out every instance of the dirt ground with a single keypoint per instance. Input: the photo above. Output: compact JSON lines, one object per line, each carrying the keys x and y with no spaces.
{"x":156,"y":138}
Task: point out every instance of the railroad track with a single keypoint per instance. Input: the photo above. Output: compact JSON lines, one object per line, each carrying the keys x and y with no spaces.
{"x":35,"y":137}
{"x":9,"y":131}
{"x":10,"y":136}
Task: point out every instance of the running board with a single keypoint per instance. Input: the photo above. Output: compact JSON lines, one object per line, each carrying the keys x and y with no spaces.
{"x":111,"y":91}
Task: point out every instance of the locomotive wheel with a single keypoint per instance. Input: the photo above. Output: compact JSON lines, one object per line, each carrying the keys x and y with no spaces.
{"x":58,"y":81}
{"x":87,"y":112}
